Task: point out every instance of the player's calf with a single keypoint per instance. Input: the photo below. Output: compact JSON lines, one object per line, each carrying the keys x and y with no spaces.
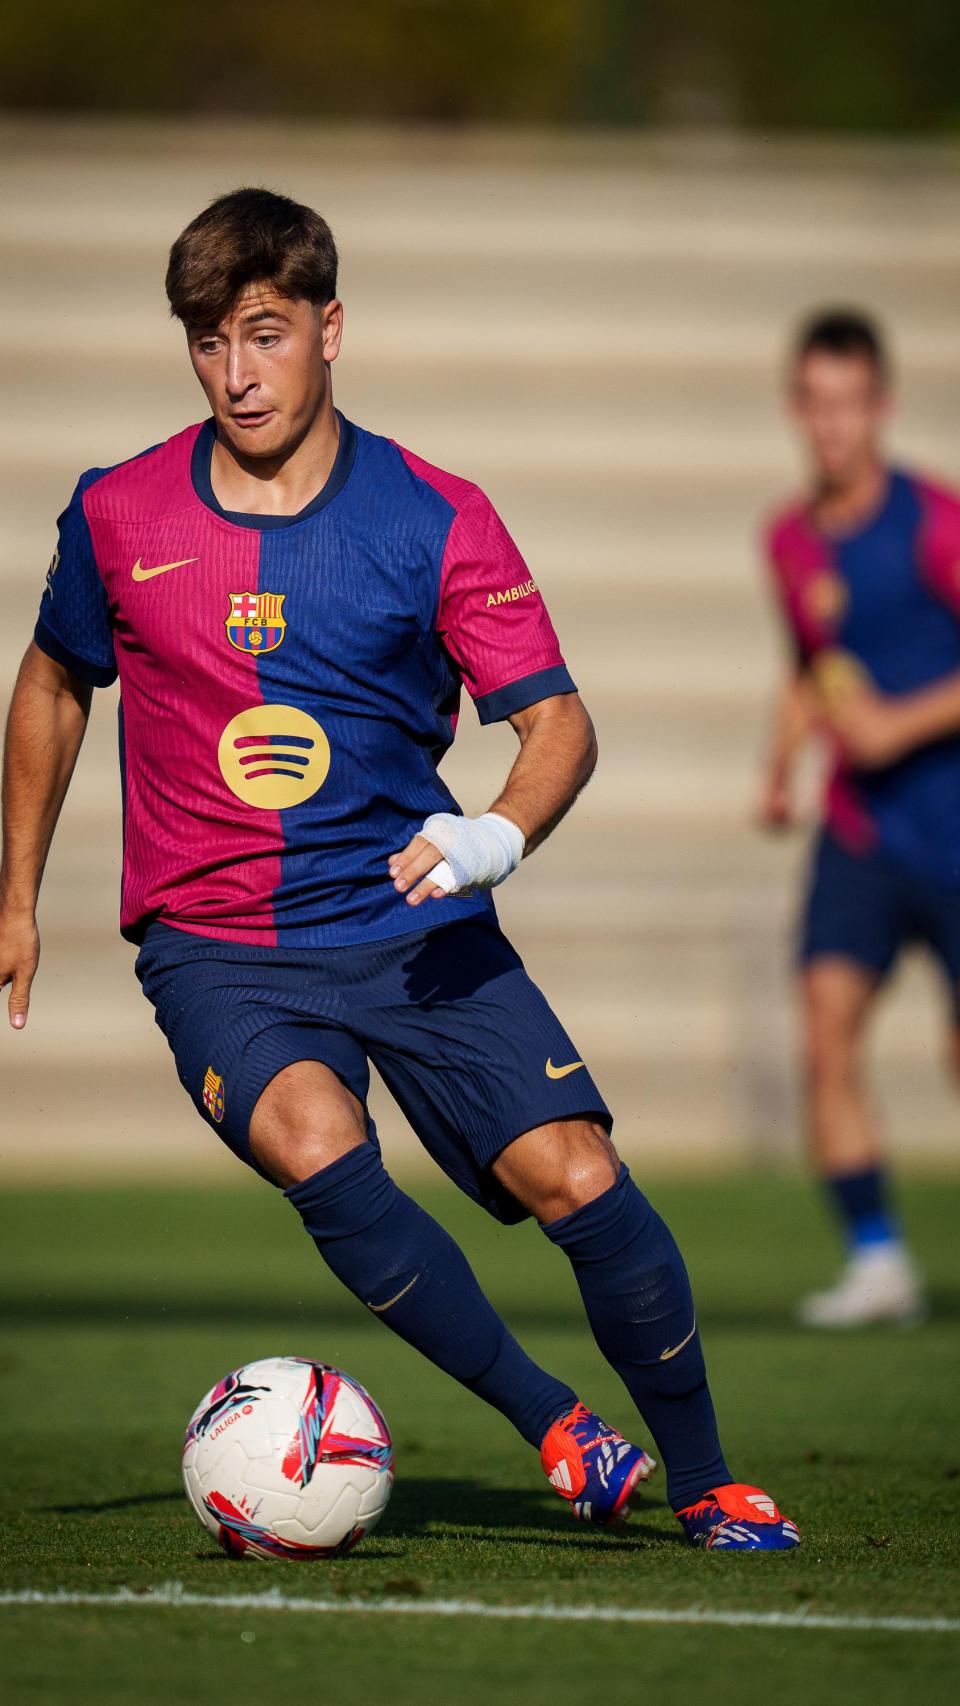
{"x":410,"y":1274}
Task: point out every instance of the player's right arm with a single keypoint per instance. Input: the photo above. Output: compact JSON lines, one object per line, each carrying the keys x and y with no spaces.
{"x":792,"y":723}
{"x":45,"y":729}
{"x":71,"y":653}
{"x":794,"y":715}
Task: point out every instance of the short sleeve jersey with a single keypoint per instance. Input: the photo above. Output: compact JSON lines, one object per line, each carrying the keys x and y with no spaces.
{"x":289,"y":685}
{"x":884,"y":603}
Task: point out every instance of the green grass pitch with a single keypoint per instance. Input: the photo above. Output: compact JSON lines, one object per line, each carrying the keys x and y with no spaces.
{"x":120,"y":1307}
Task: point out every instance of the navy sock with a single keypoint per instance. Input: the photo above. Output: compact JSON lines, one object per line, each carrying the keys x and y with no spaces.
{"x":862,"y":1202}
{"x":411,"y":1274}
{"x":640,"y":1306}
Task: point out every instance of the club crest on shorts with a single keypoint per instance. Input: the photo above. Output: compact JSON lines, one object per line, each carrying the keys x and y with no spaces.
{"x":213,"y":1094}
{"x":256,"y":622}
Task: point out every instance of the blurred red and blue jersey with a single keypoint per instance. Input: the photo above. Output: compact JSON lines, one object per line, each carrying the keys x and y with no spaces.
{"x":887,"y":597}
{"x":289,"y":685}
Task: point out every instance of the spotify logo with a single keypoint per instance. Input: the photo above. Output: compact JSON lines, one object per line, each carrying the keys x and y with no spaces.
{"x":273,"y":756}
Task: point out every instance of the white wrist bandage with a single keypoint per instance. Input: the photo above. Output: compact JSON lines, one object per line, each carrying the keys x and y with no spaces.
{"x":478,"y":852}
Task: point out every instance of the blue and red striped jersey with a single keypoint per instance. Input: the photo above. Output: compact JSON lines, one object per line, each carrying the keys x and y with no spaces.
{"x":885,"y":600}
{"x":290,"y":685}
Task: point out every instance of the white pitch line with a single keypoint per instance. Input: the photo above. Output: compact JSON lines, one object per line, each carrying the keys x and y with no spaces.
{"x":175,"y":1596}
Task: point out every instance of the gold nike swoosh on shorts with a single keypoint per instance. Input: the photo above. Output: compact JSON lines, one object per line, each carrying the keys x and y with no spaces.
{"x":676,"y":1349}
{"x":378,"y":1308}
{"x":562,"y":1071}
{"x":141,"y":574}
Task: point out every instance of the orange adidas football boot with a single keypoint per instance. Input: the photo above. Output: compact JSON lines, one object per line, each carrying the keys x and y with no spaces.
{"x":594,"y":1467}
{"x":740,"y":1518}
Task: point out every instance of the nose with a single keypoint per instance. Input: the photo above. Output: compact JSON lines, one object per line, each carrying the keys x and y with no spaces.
{"x":239,"y":377}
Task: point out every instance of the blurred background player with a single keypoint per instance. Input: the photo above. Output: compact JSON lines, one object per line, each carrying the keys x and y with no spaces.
{"x":867,"y":572}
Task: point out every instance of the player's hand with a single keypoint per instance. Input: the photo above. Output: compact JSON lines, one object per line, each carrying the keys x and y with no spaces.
{"x":409,"y":869}
{"x":19,"y":956}
{"x":775,"y":805}
{"x":457,"y":855}
{"x":873,"y":731}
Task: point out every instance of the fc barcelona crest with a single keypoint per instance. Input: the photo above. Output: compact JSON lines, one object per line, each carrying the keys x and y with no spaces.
{"x":256,"y":622}
{"x":213,"y":1095}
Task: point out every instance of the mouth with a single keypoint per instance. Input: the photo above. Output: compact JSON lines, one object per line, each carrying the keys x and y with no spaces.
{"x":250,"y":419}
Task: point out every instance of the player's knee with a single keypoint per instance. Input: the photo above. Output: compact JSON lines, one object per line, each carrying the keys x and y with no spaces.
{"x":586,"y":1177}
{"x":831,"y":1038}
{"x":301,"y":1154}
{"x":559,"y":1168}
{"x":831,"y":1051}
{"x":304,"y":1121}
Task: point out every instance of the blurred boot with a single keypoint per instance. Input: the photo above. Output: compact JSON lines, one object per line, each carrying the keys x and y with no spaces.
{"x":878,"y":1284}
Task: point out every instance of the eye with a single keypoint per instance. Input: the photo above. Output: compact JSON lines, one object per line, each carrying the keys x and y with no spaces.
{"x":207,"y":346}
{"x":265,"y":340}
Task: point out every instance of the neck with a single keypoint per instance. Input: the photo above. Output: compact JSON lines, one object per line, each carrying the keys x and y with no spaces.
{"x":841,"y":503}
{"x":282,"y":484}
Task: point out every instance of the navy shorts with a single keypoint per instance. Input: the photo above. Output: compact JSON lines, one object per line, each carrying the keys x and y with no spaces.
{"x":463,"y":1039}
{"x":866,"y":907}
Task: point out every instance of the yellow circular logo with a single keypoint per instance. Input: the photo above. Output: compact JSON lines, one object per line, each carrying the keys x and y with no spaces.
{"x":273,"y":756}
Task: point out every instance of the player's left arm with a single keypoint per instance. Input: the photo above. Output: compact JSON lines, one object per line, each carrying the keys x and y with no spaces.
{"x":877,"y":729}
{"x":494,"y":628}
{"x":557,"y":757}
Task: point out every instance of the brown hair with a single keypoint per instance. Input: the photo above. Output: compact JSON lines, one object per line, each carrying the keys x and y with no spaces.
{"x":250,"y":236}
{"x":846,"y":332}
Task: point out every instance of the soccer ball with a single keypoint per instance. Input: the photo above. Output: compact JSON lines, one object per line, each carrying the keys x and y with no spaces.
{"x":288,"y":1458}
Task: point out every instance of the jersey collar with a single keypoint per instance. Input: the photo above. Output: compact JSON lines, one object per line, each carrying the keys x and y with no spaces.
{"x":864,"y":524}
{"x":336,"y":480}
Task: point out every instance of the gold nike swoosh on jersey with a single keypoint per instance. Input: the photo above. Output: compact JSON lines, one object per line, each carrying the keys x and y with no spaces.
{"x":141,"y":574}
{"x":378,"y":1308}
{"x":676,"y":1349}
{"x":562,"y":1071}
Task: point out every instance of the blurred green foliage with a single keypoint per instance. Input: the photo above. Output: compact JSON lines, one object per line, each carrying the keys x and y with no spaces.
{"x":848,"y":65}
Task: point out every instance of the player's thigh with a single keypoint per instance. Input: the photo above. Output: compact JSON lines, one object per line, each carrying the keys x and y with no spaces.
{"x":939,"y":930}
{"x":235,"y":1027}
{"x":287,"y":1095}
{"x":854,"y":922}
{"x":475,"y":1056}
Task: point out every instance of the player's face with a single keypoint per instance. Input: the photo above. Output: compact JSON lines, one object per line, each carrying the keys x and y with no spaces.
{"x":265,"y":369}
{"x":841,"y":408}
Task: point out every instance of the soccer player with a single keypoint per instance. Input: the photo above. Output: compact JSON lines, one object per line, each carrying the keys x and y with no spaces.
{"x":866,"y":568}
{"x":292,"y":605}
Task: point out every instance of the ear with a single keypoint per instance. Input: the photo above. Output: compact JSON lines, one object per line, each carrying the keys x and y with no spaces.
{"x":331,"y":328}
